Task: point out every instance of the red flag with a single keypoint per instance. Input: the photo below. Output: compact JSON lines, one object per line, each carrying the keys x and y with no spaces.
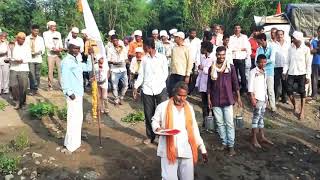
{"x":278,"y":8}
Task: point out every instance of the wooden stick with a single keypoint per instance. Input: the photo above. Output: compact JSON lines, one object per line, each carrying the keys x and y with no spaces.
{"x":98,"y":100}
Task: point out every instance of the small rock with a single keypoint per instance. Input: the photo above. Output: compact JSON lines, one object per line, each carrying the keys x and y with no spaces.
{"x":91,"y":175}
{"x":33,"y":174}
{"x":77,"y":172}
{"x":133,"y":167}
{"x":8,"y":177}
{"x":318,"y":136}
{"x":22,"y":178}
{"x":290,"y":152}
{"x":293,"y":147}
{"x":44,"y":161}
{"x":52,"y":159}
{"x":300,"y":160}
{"x":284,"y":168}
{"x":23,"y":169}
{"x":19,"y":172}
{"x":55,"y":165}
{"x":37,"y":162}
{"x":58,"y":148}
{"x":36,"y":155}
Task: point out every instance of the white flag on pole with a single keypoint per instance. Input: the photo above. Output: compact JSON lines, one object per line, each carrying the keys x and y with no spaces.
{"x":92,"y":28}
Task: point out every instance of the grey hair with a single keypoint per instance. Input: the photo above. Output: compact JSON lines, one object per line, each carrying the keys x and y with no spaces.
{"x":180,"y":85}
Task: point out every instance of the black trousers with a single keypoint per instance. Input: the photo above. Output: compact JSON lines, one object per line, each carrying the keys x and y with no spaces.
{"x":280,"y":85}
{"x":19,"y":86}
{"x":150,"y":102}
{"x":34,"y":75}
{"x":314,"y":79}
{"x":240,"y":65}
{"x":193,"y":79}
{"x":205,"y":106}
{"x":173,"y":80}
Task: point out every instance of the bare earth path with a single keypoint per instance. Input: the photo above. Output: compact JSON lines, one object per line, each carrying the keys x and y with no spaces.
{"x":123,"y":155}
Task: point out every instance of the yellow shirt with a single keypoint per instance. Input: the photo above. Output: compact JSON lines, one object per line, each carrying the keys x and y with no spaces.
{"x":181,"y":63}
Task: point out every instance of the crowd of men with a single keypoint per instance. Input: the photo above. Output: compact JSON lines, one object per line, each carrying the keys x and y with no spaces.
{"x":164,"y":69}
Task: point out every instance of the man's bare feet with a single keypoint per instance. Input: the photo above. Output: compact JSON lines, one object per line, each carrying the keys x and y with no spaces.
{"x":222,"y":147}
{"x":17,"y":105}
{"x":232,"y":152}
{"x":255,"y":143}
{"x":301,"y":116}
{"x":265,"y":140}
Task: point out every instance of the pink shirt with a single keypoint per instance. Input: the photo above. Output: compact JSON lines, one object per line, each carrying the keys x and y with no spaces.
{"x":202,"y":78}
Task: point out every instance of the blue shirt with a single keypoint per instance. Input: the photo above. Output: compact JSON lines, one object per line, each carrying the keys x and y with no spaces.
{"x":316,"y":57}
{"x":269,"y":52}
{"x":71,"y":75}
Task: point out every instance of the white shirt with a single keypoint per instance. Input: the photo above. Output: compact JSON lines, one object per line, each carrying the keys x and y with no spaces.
{"x":257,"y":84}
{"x":39,"y":47}
{"x":102,"y":74}
{"x":3,"y":49}
{"x":52,"y":40}
{"x":298,"y":61}
{"x":219,"y":41}
{"x":237,"y":43}
{"x":194,"y":46}
{"x":80,"y":40}
{"x":114,"y":56}
{"x":153,"y":74}
{"x":281,"y":53}
{"x":23,"y":53}
{"x":183,"y":147}
{"x":133,"y":65}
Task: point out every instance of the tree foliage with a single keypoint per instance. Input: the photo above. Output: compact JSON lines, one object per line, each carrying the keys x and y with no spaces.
{"x":126,"y":16}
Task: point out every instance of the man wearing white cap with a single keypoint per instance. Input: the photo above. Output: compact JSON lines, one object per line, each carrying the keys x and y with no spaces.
{"x":135,"y":64}
{"x":53,"y":42}
{"x":152,"y":77}
{"x":168,"y":45}
{"x":37,"y":46}
{"x":72,"y":86}
{"x":4,"y":67}
{"x":137,"y":42}
{"x":159,"y":45}
{"x":181,"y":63}
{"x":74,"y":35}
{"x":19,"y":69}
{"x":297,"y":69}
{"x":172,"y":32}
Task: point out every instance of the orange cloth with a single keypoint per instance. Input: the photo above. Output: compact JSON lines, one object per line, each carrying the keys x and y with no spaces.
{"x":171,"y":149}
{"x":132,"y":47}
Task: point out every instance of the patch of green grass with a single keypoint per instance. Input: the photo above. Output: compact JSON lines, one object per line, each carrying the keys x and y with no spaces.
{"x":4,"y":148}
{"x":268,"y":124}
{"x":62,"y":113}
{"x":3,"y":105}
{"x":42,"y":109}
{"x":134,"y":117}
{"x":8,"y":163}
{"x":20,"y":142}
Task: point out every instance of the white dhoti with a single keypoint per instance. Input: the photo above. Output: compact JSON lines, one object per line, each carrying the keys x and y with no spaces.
{"x":4,"y":78}
{"x":182,"y":169}
{"x":72,"y":139}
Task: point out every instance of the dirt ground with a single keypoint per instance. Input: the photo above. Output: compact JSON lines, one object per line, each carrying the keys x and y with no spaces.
{"x":123,"y":155}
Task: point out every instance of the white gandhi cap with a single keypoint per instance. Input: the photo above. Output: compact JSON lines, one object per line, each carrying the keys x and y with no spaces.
{"x":74,"y":42}
{"x":75,"y":30}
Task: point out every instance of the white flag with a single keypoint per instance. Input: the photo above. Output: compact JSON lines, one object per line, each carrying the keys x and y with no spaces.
{"x":92,"y":28}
